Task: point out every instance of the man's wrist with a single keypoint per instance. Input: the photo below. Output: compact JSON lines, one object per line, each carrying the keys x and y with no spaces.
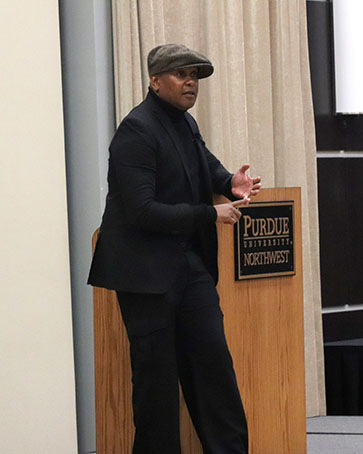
{"x":205,"y":214}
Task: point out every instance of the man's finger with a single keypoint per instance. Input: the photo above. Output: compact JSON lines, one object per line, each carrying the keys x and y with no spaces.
{"x":236,"y":212}
{"x":238,"y":203}
{"x":244,"y":168}
{"x":241,"y":202}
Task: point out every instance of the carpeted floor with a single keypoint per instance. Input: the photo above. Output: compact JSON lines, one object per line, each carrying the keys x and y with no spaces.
{"x":335,"y":435}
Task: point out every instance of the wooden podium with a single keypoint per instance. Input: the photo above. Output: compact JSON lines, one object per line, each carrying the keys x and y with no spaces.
{"x":264,"y":328}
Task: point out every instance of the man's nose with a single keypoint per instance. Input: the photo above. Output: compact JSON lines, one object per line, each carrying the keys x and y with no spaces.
{"x":192,"y":81}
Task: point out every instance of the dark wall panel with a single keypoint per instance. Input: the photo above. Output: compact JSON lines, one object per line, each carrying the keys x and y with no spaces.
{"x":343,"y":325}
{"x":340,"y":188}
{"x":354,"y":220}
{"x":333,"y":231}
{"x":320,"y":46}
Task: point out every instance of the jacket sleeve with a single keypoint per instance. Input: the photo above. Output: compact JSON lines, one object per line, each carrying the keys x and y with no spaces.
{"x":134,"y":163}
{"x":221,"y":178}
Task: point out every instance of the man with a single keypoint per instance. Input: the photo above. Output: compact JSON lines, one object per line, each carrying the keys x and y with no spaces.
{"x":157,"y":248}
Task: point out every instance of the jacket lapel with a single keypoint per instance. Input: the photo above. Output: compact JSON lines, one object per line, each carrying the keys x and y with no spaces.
{"x":204,"y":169}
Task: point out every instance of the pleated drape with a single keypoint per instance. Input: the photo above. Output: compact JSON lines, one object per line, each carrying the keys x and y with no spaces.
{"x":256,"y":108}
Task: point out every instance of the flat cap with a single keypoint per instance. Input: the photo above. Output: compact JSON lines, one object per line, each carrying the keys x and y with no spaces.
{"x":173,"y":56}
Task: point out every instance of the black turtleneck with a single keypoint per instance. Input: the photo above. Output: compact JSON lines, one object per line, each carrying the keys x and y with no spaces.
{"x":203,"y":213}
{"x":185,"y":135}
{"x":174,"y":113}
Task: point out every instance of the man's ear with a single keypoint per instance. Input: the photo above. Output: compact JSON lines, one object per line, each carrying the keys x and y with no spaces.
{"x":155,"y":83}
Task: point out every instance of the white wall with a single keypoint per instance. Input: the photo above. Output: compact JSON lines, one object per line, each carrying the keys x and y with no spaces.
{"x":37,"y":409}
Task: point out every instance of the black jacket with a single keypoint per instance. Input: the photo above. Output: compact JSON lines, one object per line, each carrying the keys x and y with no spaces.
{"x":149,"y":212}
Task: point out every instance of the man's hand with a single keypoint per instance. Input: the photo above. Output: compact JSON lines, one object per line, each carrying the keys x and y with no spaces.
{"x":243,"y":185}
{"x":227,"y":213}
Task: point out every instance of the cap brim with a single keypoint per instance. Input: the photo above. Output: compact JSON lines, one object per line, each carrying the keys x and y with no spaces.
{"x":204,"y":69}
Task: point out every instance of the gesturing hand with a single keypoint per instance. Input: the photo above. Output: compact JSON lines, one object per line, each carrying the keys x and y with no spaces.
{"x":243,"y":185}
{"x":227,"y":213}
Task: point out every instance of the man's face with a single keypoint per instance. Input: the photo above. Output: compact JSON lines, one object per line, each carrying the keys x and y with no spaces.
{"x":178,"y":87}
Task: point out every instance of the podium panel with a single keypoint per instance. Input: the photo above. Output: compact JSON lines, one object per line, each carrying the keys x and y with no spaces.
{"x":264,"y":328}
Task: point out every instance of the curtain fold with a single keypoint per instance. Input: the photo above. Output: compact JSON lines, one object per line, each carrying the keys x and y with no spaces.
{"x":260,"y":93}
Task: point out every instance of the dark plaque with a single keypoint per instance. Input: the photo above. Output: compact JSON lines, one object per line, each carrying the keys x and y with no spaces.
{"x":264,"y":240}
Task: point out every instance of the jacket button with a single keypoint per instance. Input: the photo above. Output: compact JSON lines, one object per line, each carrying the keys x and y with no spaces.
{"x":183,"y":244}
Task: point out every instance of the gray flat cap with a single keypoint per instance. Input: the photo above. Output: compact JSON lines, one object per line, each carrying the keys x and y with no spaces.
{"x":172,"y":56}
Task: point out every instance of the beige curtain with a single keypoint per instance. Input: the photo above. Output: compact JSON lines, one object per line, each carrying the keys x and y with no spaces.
{"x":260,"y":93}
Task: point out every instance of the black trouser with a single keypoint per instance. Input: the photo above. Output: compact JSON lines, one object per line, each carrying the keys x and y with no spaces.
{"x":180,"y":335}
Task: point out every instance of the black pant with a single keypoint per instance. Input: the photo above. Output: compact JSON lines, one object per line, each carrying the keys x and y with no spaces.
{"x":180,"y":336}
